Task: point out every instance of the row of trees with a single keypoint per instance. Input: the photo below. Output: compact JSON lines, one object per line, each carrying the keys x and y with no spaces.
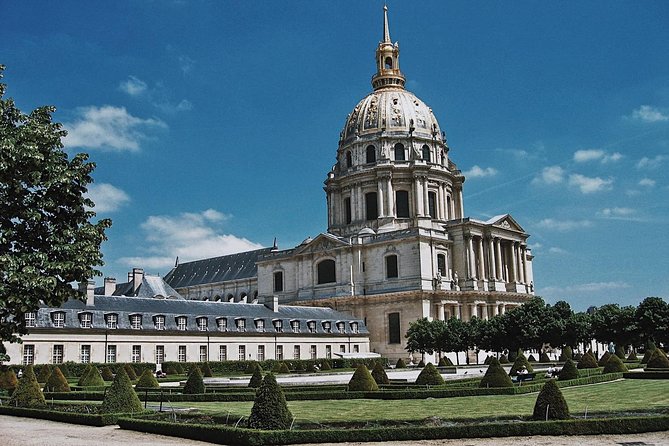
{"x":535,"y":323}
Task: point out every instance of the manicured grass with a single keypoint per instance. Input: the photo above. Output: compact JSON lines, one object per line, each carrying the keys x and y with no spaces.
{"x":616,"y":396}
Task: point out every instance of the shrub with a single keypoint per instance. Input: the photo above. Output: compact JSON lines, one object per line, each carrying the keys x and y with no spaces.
{"x":121,"y":397}
{"x":658,"y":360}
{"x":587,"y":361}
{"x":8,"y":380}
{"x":251,"y":367}
{"x":520,"y":361}
{"x":206,"y":370}
{"x":487,"y":359}
{"x":44,"y":373}
{"x":65,"y":369}
{"x":195,"y":384}
{"x":605,"y":357}
{"x":362,"y":380}
{"x":83,"y":376}
{"x":179,"y":369}
{"x":171,"y":370}
{"x":566,"y":353}
{"x":532,"y":359}
{"x":544,"y":357}
{"x":400,"y":364}
{"x":429,"y":376}
{"x":379,"y":374}
{"x":57,"y":382}
{"x":632,"y":357}
{"x":281,"y":367}
{"x":421,"y":364}
{"x":648,"y":351}
{"x":495,"y":376}
{"x":311,"y":368}
{"x":325,"y":365}
{"x":550,"y":403}
{"x":513,"y":355}
{"x":614,"y":365}
{"x":448,"y":361}
{"x":27,"y":392}
{"x":620,"y":352}
{"x":147,"y":381}
{"x":503,"y":359}
{"x":577,"y":356}
{"x":256,"y":378}
{"x":92,"y":378}
{"x":130,"y":371}
{"x":569,"y":371}
{"x":107,"y":374}
{"x":270,"y":411}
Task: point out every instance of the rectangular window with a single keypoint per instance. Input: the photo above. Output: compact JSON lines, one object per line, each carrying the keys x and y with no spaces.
{"x":202,"y":323}
{"x":391,"y":267}
{"x":260,"y":325}
{"x":432,"y":204}
{"x":278,"y":326}
{"x":261,"y":353}
{"x":30,"y":319}
{"x":312,"y":326}
{"x":85,"y":356}
{"x":28,"y":354}
{"x":111,"y":354}
{"x":328,"y":351}
{"x":136,"y":353}
{"x":136,"y":321}
{"x":223,"y":353}
{"x":394,"y":335}
{"x":181,"y":353}
{"x":242,"y":353}
{"x":222,"y":324}
{"x":181,"y":323}
{"x":356,"y":348}
{"x":313,"y":352}
{"x":160,"y":354}
{"x":342,"y":348}
{"x":58,"y":319}
{"x":241,"y":324}
{"x":371,"y":206}
{"x":341,"y":327}
{"x":203,"y":354}
{"x":354,"y":327}
{"x":279,"y":352}
{"x":327,"y":327}
{"x":112,"y":321}
{"x":278,"y":281}
{"x":86,"y":320}
{"x":295,"y":326}
{"x":159,"y":322}
{"x":402,"y":203}
{"x":347,"y":210}
{"x":296,"y":352}
{"x":441,"y":264}
{"x":57,"y":357}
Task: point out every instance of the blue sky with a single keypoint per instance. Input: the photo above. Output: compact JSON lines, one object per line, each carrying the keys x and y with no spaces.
{"x":214,"y":123}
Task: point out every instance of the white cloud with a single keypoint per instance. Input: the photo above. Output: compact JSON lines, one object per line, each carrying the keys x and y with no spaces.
{"x":168,"y":107}
{"x":480,"y":172}
{"x":189,"y":236}
{"x":647,"y":182}
{"x":109,"y":128}
{"x":646,"y":163}
{"x":586,"y":287}
{"x":582,"y":156}
{"x":133,"y":86}
{"x":588,"y":185}
{"x":106,"y":197}
{"x":550,"y":175}
{"x":556,"y":250}
{"x":616,"y":212}
{"x":563,"y":225}
{"x":648,"y":113}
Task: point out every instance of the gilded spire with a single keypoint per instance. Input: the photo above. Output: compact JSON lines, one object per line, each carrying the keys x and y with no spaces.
{"x":386,"y":29}
{"x":388,"y":74}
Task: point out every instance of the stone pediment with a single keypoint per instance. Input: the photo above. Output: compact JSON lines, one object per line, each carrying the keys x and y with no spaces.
{"x":505,"y":222}
{"x":322,"y":243}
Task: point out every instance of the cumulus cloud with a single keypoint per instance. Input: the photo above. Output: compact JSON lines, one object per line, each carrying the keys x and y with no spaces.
{"x":133,"y":86}
{"x":106,"y":197}
{"x":109,"y":128}
{"x":647,"y":113}
{"x":563,"y":225}
{"x":582,"y":156}
{"x":647,"y":182}
{"x":647,"y":163}
{"x":189,"y":236}
{"x":480,"y":172}
{"x":588,"y":185}
{"x":550,"y":175}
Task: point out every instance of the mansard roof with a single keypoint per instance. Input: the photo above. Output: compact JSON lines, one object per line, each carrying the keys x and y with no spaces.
{"x":217,"y":269}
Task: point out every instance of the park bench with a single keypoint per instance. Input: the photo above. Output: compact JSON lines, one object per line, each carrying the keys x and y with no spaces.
{"x":524,"y":377}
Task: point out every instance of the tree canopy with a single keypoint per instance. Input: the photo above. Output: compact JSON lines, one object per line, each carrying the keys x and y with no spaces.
{"x":47,"y":240}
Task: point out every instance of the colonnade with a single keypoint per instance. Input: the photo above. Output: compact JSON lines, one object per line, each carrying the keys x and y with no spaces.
{"x":496,"y":259}
{"x":480,"y":309}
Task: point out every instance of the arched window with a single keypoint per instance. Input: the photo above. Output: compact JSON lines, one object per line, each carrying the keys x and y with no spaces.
{"x":242,"y":297}
{"x":432,"y":204}
{"x":349,"y":160}
{"x":230,"y":298}
{"x":371,"y":154}
{"x":402,"y":203}
{"x":391,"y":267}
{"x":426,"y":153}
{"x":399,"y":152}
{"x":371,"y":206}
{"x":388,"y":63}
{"x":326,"y":271}
{"x":278,"y":281}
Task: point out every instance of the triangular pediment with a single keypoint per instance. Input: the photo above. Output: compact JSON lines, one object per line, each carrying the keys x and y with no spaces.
{"x":505,"y":221}
{"x":322,"y":243}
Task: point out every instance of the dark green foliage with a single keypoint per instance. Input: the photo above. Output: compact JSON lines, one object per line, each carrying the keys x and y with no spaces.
{"x":251,"y":367}
{"x":487,"y":360}
{"x":325,"y":365}
{"x":195,"y":384}
{"x":171,"y":370}
{"x":92,"y":378}
{"x":400,"y":364}
{"x":179,"y":368}
{"x":121,"y":397}
{"x":8,"y":380}
{"x":569,"y":371}
{"x":256,"y":378}
{"x":587,"y":361}
{"x":532,"y":359}
{"x":57,"y":382}
{"x":362,"y":380}
{"x":65,"y":369}
{"x":614,"y":365}
{"x":632,"y":357}
{"x":107,"y":374}
{"x":147,"y":381}
{"x":495,"y":376}
{"x":270,"y":411}
{"x":521,"y":361}
{"x":503,"y":359}
{"x":604,"y":359}
{"x":566,"y":353}
{"x":283,"y":368}
{"x":442,"y":362}
{"x":130,"y":371}
{"x":379,"y":374}
{"x":658,"y":360}
{"x":83,"y":376}
{"x":550,"y":398}
{"x":28,"y":392}
{"x":620,"y":353}
{"x":421,"y":363}
{"x":429,"y":376}
{"x":311,"y":368}
{"x":206,"y":370}
{"x":513,"y":354}
{"x":44,"y":373}
{"x":577,"y":357}
{"x":650,"y":349}
{"x":544,"y":357}
{"x":448,"y":361}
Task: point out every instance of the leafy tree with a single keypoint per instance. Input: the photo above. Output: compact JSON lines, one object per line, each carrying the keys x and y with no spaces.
{"x":550,"y":403}
{"x":194,"y":384}
{"x":578,"y":329}
{"x":611,"y":323}
{"x":8,"y":380}
{"x":28,"y":393}
{"x":57,"y":382}
{"x":147,"y":380}
{"x":429,"y":376}
{"x":454,"y":336}
{"x":652,"y":316}
{"x":46,"y":238}
{"x":270,"y":410}
{"x":362,"y":380}
{"x":523,"y":325}
{"x":554,"y":324}
{"x":421,"y":336}
{"x":121,"y":397}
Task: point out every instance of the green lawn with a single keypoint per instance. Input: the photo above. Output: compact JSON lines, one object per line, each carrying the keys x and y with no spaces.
{"x":616,"y":396}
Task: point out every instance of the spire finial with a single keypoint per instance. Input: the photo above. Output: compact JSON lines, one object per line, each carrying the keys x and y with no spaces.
{"x":386,"y":29}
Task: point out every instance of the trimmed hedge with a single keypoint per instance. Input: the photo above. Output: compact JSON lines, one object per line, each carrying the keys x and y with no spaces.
{"x":379,"y":374}
{"x":195,"y":384}
{"x":604,"y":359}
{"x":44,"y":373}
{"x":569,"y":371}
{"x":567,"y":353}
{"x":647,"y":375}
{"x":256,"y":379}
{"x":495,"y":376}
{"x":429,"y":376}
{"x":206,"y":370}
{"x":362,"y":380}
{"x":587,"y":361}
{"x":521,"y":361}
{"x":614,"y":364}
{"x":97,"y":420}
{"x":270,"y":410}
{"x":550,"y":404}
{"x":121,"y":397}
{"x":658,"y":360}
{"x":147,"y":381}
{"x":400,"y":364}
{"x":91,"y":378}
{"x":56,"y":382}
{"x":130,"y":371}
{"x":28,"y":392}
{"x":107,"y":374}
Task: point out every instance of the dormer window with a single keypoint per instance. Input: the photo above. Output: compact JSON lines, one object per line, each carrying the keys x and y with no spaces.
{"x":260,"y":324}
{"x":278,"y":326}
{"x":112,"y":321}
{"x":222,"y":324}
{"x":86,"y":320}
{"x":327,"y":326}
{"x":30,"y":319}
{"x":136,"y":321}
{"x":159,"y":322}
{"x":311,"y":325}
{"x":202,"y":323}
{"x":58,"y":319}
{"x":181,"y":323}
{"x":341,"y":327}
{"x":295,"y":326}
{"x":241,"y":324}
{"x":354,"y":327}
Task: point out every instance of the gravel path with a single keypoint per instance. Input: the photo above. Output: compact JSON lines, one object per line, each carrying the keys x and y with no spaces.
{"x":16,"y":431}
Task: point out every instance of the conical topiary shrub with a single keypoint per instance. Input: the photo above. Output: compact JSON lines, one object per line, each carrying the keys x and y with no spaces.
{"x":649,"y":350}
{"x":487,"y":359}
{"x":147,"y":381}
{"x":495,"y":376}
{"x":107,"y":374}
{"x":44,"y":373}
{"x":171,"y":370}
{"x":362,"y":380}
{"x":442,"y":362}
{"x":569,"y":371}
{"x":206,"y":370}
{"x":256,"y":378}
{"x":566,"y":353}
{"x":270,"y":410}
{"x":544,"y":357}
{"x":521,"y":361}
{"x":379,"y":374}
{"x":614,"y":365}
{"x":400,"y":364}
{"x":503,"y":359}
{"x":620,"y":352}
{"x":195,"y":384}
{"x":632,"y":357}
{"x":550,"y":403}
{"x":604,"y":359}
{"x":57,"y":382}
{"x":251,"y":367}
{"x":587,"y":361}
{"x":121,"y":397}
{"x":84,"y":374}
{"x":283,"y":368}
{"x":27,"y":392}
{"x":658,"y":360}
{"x":531,"y":358}
{"x":91,"y":378}
{"x":577,"y":357}
{"x":325,"y":365}
{"x":65,"y":369}
{"x":8,"y":380}
{"x":429,"y":376}
{"x":130,"y":371}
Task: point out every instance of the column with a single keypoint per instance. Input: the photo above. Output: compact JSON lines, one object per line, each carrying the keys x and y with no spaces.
{"x":516,"y":259}
{"x":472,"y":311}
{"x":511,"y":262}
{"x":457,"y":310}
{"x":379,"y":198}
{"x":390,"y":196}
{"x":418,"y":191}
{"x":440,"y":202}
{"x":523,"y":260}
{"x":440,"y":312}
{"x":498,"y":249}
{"x":426,"y":197}
{"x":491,"y":257}
{"x":481,"y":272}
{"x":452,"y":209}
{"x":502,"y":308}
{"x":495,"y":309}
{"x":471,"y":266}
{"x":462,"y":204}
{"x":484,"y":311}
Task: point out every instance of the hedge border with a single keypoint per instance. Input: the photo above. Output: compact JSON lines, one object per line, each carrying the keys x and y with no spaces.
{"x":647,"y":375}
{"x":97,"y":420}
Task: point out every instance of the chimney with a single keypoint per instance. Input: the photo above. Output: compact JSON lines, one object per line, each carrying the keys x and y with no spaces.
{"x":272,"y":302}
{"x":110,"y":286}
{"x":89,"y":289}
{"x":137,"y":276}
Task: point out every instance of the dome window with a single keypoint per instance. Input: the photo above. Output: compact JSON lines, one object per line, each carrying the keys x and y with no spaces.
{"x":389,"y":63}
{"x":371,"y":206}
{"x":399,"y":152}
{"x":402,"y":203}
{"x":347,"y":210}
{"x":426,"y":153}
{"x":349,"y":160}
{"x":326,"y":271}
{"x":371,"y":154}
{"x":432,"y":204}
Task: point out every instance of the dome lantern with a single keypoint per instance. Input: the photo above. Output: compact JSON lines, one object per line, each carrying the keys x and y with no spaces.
{"x":388,"y":74}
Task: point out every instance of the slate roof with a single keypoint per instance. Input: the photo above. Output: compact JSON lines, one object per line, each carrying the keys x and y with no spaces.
{"x":217,"y":269}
